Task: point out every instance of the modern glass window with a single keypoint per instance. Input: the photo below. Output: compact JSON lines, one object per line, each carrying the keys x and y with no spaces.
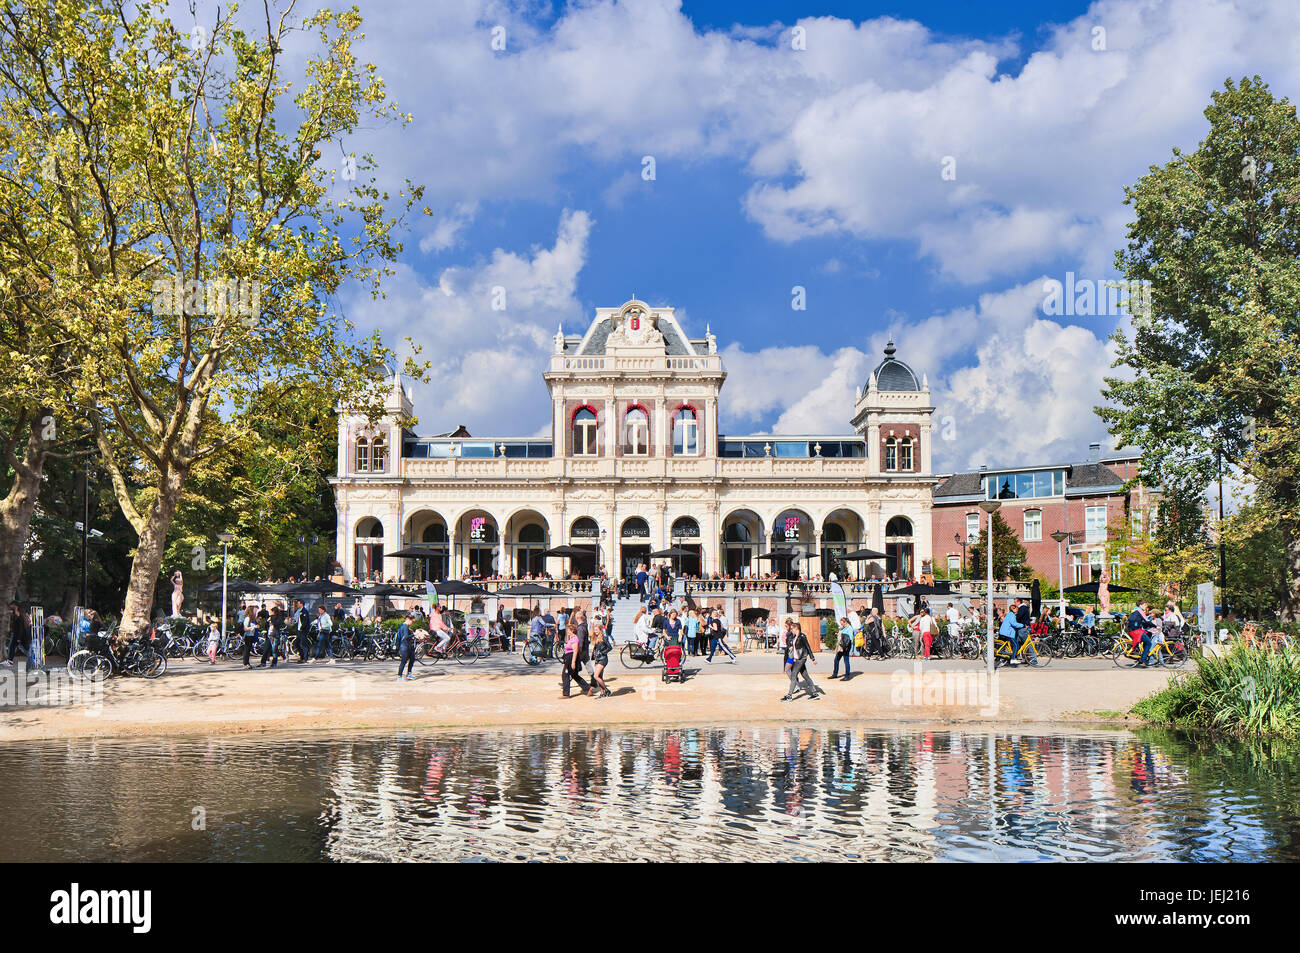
{"x":1024,"y":486}
{"x":1033,"y":525}
{"x":363,"y":455}
{"x":586,"y":433}
{"x":1094,"y":524}
{"x":636,"y":430}
{"x":686,"y":433}
{"x":972,"y":526}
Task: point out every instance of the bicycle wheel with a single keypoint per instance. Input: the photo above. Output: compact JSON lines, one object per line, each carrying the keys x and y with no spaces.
{"x":426,"y":655}
{"x":76,"y":664}
{"x":627,"y":659}
{"x":1124,"y":655}
{"x":97,"y":668}
{"x":479,"y":647}
{"x":1040,"y":651}
{"x":461,"y":654}
{"x":1001,"y":652}
{"x":152,"y":664}
{"x":530,"y":653}
{"x":970,"y":648}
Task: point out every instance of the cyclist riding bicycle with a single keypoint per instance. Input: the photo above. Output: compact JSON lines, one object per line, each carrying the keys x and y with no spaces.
{"x":438,"y":626}
{"x":1010,"y":631}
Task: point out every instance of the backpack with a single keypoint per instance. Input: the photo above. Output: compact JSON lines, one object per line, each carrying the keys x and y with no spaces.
{"x":846,"y":639}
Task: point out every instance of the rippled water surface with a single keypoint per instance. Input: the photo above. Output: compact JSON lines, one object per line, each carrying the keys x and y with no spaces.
{"x":804,"y":793}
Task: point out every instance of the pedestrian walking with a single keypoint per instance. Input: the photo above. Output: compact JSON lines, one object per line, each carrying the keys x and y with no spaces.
{"x":844,"y":649}
{"x":692,"y":630}
{"x":250,"y":634}
{"x":214,"y":641}
{"x":324,"y":626}
{"x":800,"y":652}
{"x":303,"y":619}
{"x":572,"y":649}
{"x":600,"y":659}
{"x":718,"y":636}
{"x":406,"y":649}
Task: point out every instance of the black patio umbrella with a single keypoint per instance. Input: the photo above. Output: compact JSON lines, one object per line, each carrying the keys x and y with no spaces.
{"x":383,"y":589}
{"x":530,"y":589}
{"x":1091,"y":588}
{"x":416,"y":552}
{"x":861,"y":554}
{"x":458,"y":587}
{"x":320,"y":587}
{"x":1035,"y":599}
{"x":920,"y":589}
{"x":235,"y":584}
{"x":568,"y":552}
{"x":672,"y":552}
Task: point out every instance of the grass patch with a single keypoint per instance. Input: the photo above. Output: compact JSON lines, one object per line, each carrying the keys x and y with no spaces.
{"x":1247,"y":692}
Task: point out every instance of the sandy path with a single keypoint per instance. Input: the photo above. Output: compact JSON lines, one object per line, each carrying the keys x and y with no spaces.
{"x":195,"y":699}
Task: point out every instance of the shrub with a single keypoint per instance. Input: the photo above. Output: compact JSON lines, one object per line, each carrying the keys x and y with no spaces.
{"x":1248,"y":691}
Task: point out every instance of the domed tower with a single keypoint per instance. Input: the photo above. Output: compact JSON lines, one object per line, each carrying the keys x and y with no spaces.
{"x":893,"y":414}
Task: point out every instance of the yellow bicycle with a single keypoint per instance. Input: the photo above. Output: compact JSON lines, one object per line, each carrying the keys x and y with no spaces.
{"x":1032,"y":650}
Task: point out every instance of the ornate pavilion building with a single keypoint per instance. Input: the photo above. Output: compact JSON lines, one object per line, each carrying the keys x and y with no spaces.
{"x":635,"y":464}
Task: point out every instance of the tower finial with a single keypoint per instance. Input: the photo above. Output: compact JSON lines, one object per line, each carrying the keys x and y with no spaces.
{"x":889,"y":348}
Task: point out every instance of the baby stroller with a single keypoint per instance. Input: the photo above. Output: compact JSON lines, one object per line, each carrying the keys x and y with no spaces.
{"x":673,"y":664}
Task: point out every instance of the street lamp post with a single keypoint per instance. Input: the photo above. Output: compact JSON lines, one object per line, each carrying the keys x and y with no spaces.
{"x":1060,"y":536}
{"x":600,"y":549}
{"x":959,"y":538}
{"x":990,"y":507}
{"x":307,"y":545}
{"x":225,"y":548}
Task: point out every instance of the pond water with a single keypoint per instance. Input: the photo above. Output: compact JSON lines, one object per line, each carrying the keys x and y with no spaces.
{"x":806,"y":792}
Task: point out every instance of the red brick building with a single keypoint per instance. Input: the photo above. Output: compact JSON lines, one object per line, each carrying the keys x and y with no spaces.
{"x":1087,"y":500}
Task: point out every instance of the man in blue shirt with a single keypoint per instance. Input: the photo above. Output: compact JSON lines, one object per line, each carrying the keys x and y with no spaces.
{"x":1010,"y":630}
{"x":641,"y":578}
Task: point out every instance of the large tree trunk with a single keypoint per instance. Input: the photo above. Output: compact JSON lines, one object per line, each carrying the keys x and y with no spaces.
{"x":1291,"y":580}
{"x":16,"y":515}
{"x":147,"y":564}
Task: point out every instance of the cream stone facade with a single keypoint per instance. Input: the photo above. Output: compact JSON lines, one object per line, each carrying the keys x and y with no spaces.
{"x":635,"y":464}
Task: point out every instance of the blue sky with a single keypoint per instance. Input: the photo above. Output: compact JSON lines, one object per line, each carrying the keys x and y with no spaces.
{"x":775,"y":167}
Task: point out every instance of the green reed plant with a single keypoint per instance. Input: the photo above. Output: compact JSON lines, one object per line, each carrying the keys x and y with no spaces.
{"x":1247,"y":691}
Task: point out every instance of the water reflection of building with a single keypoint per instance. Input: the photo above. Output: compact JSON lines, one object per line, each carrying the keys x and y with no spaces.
{"x":757,"y":793}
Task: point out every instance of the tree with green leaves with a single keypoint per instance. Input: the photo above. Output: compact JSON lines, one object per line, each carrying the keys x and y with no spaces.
{"x":198,"y":245}
{"x":1209,"y":369}
{"x":1010,"y":560}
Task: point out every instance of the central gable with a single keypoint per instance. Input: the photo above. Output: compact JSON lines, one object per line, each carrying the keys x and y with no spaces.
{"x":638,"y":327}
